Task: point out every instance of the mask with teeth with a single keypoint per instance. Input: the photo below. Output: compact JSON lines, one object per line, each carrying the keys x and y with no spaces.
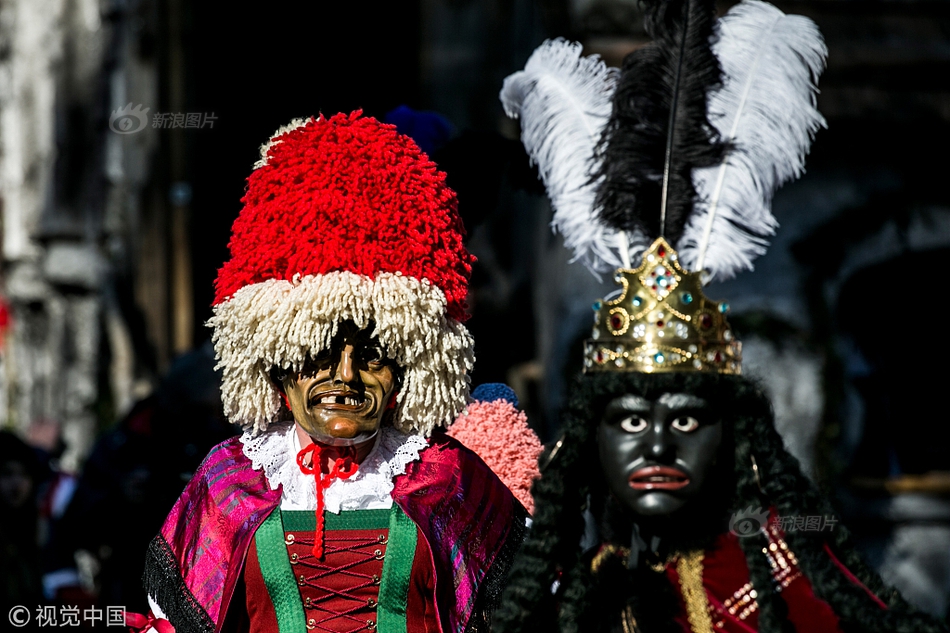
{"x":342,"y":395}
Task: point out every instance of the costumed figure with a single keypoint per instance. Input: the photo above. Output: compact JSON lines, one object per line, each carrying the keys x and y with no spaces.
{"x":338,"y":326}
{"x":667,"y":451}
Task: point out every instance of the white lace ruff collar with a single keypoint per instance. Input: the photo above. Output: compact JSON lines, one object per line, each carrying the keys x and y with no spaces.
{"x":275,"y":451}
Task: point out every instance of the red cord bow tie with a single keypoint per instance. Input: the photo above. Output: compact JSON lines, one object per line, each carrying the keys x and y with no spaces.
{"x":342,"y":468}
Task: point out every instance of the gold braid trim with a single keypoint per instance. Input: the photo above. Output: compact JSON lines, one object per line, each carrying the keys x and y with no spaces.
{"x":606,"y":552}
{"x":628,"y":621}
{"x":690,"y":570}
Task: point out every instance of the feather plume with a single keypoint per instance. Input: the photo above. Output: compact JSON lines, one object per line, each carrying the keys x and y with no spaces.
{"x":563,"y":101}
{"x":658,"y":131}
{"x":766,"y":111}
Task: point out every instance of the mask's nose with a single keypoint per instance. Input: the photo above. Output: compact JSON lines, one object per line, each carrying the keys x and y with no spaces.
{"x":346,"y":371}
{"x":661,"y":443}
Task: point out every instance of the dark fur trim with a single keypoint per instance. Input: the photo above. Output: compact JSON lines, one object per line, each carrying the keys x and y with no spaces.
{"x":528,"y":603}
{"x":164,"y":584}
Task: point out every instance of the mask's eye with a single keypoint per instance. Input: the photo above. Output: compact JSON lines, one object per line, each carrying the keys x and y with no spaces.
{"x":318,"y":363}
{"x":374,"y":354}
{"x":685,"y":424}
{"x":633,"y":425}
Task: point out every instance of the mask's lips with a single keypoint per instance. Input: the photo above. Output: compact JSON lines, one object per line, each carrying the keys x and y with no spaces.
{"x":658,"y":478}
{"x":338,"y":400}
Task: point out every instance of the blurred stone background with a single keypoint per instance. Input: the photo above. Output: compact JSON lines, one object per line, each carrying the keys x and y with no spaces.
{"x":111,"y":235}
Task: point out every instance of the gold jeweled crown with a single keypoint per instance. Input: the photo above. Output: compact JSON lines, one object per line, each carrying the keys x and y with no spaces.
{"x":661,"y":322}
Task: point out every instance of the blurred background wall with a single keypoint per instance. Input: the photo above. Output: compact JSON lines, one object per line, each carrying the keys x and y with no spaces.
{"x":127,"y":128}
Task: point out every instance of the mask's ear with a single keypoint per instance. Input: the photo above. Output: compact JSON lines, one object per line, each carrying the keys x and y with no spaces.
{"x":399,"y":374}
{"x":277,"y":377}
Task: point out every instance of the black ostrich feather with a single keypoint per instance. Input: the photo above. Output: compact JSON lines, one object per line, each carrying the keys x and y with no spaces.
{"x":658,"y":130}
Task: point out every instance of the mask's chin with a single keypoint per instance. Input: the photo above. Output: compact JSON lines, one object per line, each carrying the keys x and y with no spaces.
{"x":359,"y":438}
{"x":658,"y":505}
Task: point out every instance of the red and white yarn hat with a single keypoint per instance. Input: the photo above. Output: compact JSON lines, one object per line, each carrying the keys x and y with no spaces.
{"x":344,"y":218}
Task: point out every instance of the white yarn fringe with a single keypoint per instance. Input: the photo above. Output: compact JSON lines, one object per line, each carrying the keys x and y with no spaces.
{"x":293,"y":125}
{"x":278,"y":323}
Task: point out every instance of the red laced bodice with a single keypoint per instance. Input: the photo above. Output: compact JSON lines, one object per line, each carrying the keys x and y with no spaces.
{"x":339,"y":592}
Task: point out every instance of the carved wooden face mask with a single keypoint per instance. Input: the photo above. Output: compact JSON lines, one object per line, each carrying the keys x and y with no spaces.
{"x":341,"y":396}
{"x":656,"y":455}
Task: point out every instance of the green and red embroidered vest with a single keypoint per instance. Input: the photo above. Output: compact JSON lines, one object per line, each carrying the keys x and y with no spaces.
{"x":376,"y":573}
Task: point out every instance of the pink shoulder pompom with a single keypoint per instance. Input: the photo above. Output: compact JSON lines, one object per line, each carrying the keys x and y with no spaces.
{"x":499,"y":433}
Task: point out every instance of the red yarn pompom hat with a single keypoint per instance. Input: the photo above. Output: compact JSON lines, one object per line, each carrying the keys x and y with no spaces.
{"x":344,"y":218}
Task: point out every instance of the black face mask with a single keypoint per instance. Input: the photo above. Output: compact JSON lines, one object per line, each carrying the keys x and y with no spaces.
{"x":657,"y":455}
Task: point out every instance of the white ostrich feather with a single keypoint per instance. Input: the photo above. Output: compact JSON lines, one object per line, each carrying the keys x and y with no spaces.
{"x":564,"y":101}
{"x":766,"y":109}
